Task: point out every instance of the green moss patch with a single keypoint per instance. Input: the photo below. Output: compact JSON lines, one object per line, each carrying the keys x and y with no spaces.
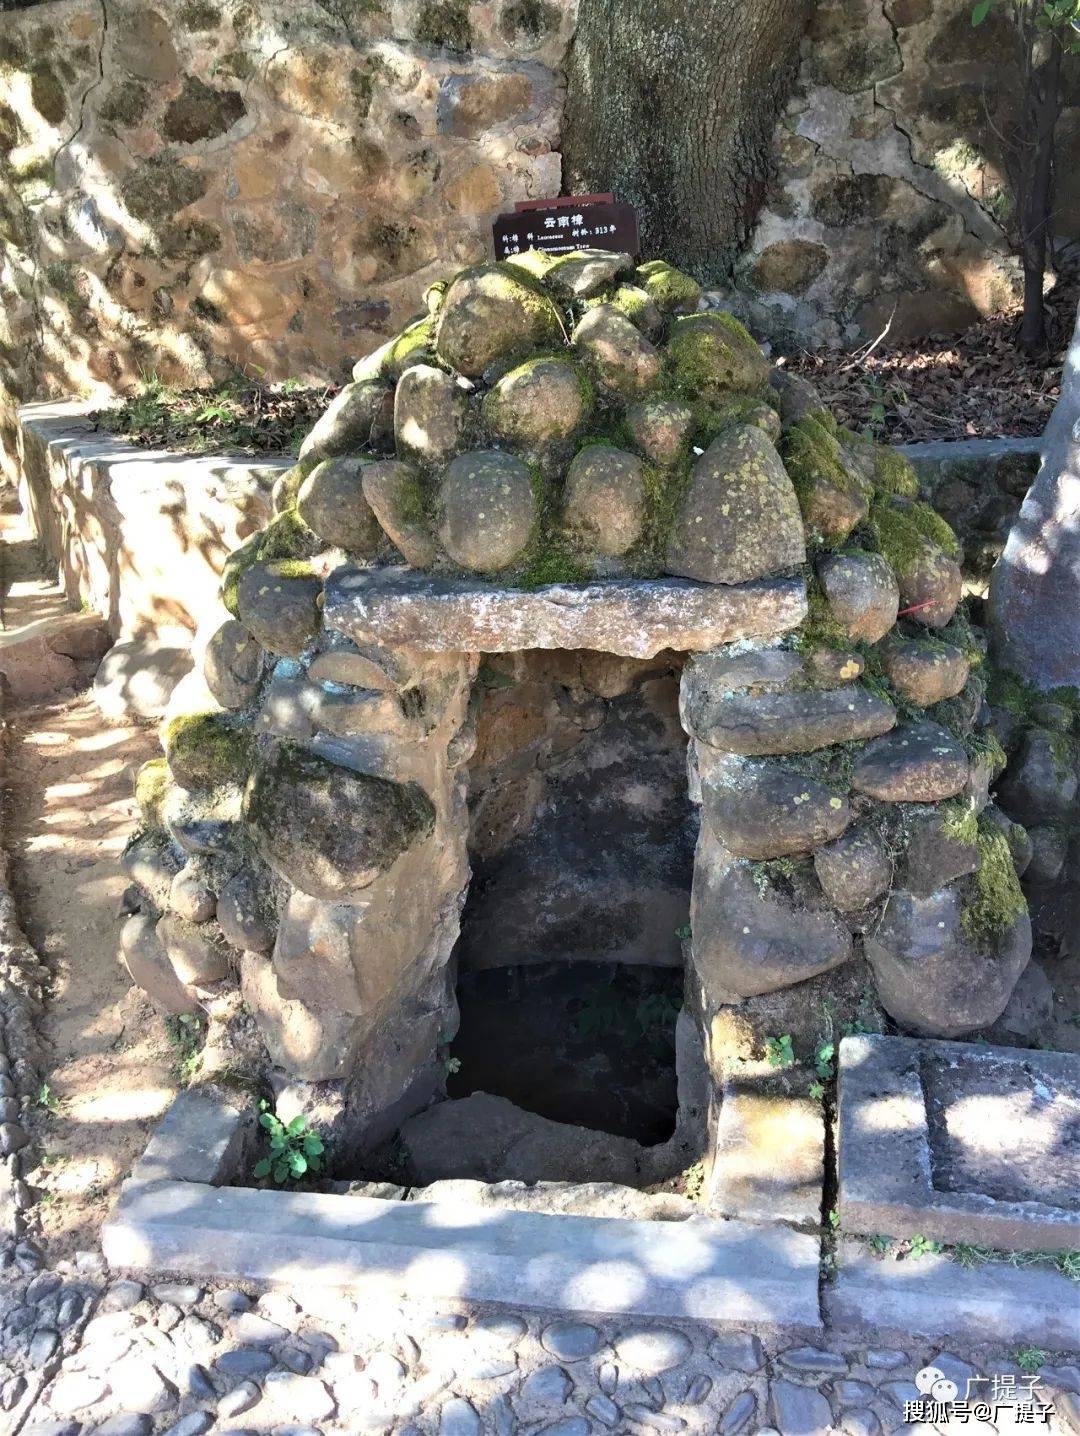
{"x":995,"y":899}
{"x":669,"y":288}
{"x":153,"y":783}
{"x":812,"y":455}
{"x":445,"y":23}
{"x":893,"y":474}
{"x":710,"y":356}
{"x":664,"y":489}
{"x":204,"y":750}
{"x":898,"y":537}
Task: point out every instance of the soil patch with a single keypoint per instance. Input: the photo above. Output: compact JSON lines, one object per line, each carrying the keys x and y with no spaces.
{"x":111,"y":1066}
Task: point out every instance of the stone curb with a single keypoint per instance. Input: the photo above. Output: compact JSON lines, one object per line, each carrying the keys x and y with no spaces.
{"x":21,"y":975}
{"x":933,"y":1296}
{"x":174,"y":1216}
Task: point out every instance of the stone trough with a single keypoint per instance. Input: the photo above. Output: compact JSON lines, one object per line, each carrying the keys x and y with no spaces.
{"x":960,"y":1142}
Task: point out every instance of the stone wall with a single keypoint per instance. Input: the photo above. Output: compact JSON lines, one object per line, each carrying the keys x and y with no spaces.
{"x":188,"y":187}
{"x":891,"y":198}
{"x":210,"y":183}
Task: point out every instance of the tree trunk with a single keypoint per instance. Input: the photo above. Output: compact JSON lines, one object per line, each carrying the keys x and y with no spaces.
{"x":1042,"y":106}
{"x":1034,"y":606}
{"x":672,"y":104}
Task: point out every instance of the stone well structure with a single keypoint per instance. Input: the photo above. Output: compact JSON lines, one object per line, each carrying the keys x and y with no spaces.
{"x":567,"y":457}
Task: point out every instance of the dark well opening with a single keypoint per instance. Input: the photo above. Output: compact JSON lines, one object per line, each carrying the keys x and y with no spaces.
{"x":587,"y":1043}
{"x":581,"y":831}
{"x":582,"y":844}
{"x":569,"y":968}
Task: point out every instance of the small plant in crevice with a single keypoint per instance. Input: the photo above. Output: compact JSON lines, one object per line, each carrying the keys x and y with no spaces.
{"x":48,"y":1099}
{"x":880,"y":1245}
{"x":779,"y":1051}
{"x":920,"y":1246}
{"x":295,"y":1150}
{"x":185,"y":1033}
{"x":1030,"y":1358}
{"x":823,"y":1060}
{"x":452,"y":1066}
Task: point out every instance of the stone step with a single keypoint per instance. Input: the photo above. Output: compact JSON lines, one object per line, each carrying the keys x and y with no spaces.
{"x":934,"y":1296}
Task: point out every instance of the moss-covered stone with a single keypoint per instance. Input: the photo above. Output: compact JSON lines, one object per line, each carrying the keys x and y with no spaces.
{"x":538,"y":402}
{"x":711,"y":356}
{"x":833,"y":497}
{"x":326,"y":829}
{"x":126,"y":103}
{"x":153,"y":783}
{"x":491,"y":311}
{"x":672,"y":291}
{"x":995,"y":899}
{"x":893,"y":474}
{"x":740,"y":518}
{"x":905,"y":531}
{"x":207,"y":750}
{"x":631,"y":300}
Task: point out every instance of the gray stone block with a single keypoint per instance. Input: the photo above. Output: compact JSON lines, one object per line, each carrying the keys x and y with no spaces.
{"x":700,"y":1270}
{"x":933,"y":1296}
{"x":959,"y":1143}
{"x":635,"y":618}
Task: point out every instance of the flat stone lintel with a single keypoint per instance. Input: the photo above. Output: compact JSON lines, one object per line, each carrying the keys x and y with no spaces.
{"x":635,"y":618}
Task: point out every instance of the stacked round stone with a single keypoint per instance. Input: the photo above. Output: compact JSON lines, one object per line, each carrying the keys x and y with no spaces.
{"x":550,"y":421}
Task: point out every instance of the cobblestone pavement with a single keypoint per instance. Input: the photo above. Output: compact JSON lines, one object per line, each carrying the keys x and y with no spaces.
{"x":83,"y":1354}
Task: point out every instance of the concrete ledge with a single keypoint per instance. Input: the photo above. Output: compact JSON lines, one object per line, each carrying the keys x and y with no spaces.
{"x":933,"y":1296}
{"x":898,"y":1179}
{"x":174,"y":1215}
{"x":699,"y":1270}
{"x":632,"y":617}
{"x":981,"y":452}
{"x":139,"y":535}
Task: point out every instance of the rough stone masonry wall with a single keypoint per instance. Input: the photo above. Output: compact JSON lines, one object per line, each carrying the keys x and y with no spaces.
{"x":190,"y":186}
{"x":572,"y":454}
{"x":891,"y":199}
{"x":193,"y":185}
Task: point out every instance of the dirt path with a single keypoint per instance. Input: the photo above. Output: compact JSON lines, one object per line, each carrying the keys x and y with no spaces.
{"x":111,"y":1069}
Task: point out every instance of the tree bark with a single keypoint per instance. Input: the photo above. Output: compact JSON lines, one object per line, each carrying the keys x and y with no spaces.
{"x":1042,"y":104}
{"x":672,"y":104}
{"x":1034,"y":605}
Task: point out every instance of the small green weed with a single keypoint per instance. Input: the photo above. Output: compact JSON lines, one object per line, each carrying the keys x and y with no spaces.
{"x":920,"y":1246}
{"x":48,"y":1099}
{"x":185,"y":1034}
{"x":880,"y":1245}
{"x":294,"y":1149}
{"x":833,"y":1219}
{"x":779,"y":1052}
{"x":816,"y":1090}
{"x":823,"y":1060}
{"x":453,"y":1065}
{"x":683,"y":934}
{"x":1030,"y":1358}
